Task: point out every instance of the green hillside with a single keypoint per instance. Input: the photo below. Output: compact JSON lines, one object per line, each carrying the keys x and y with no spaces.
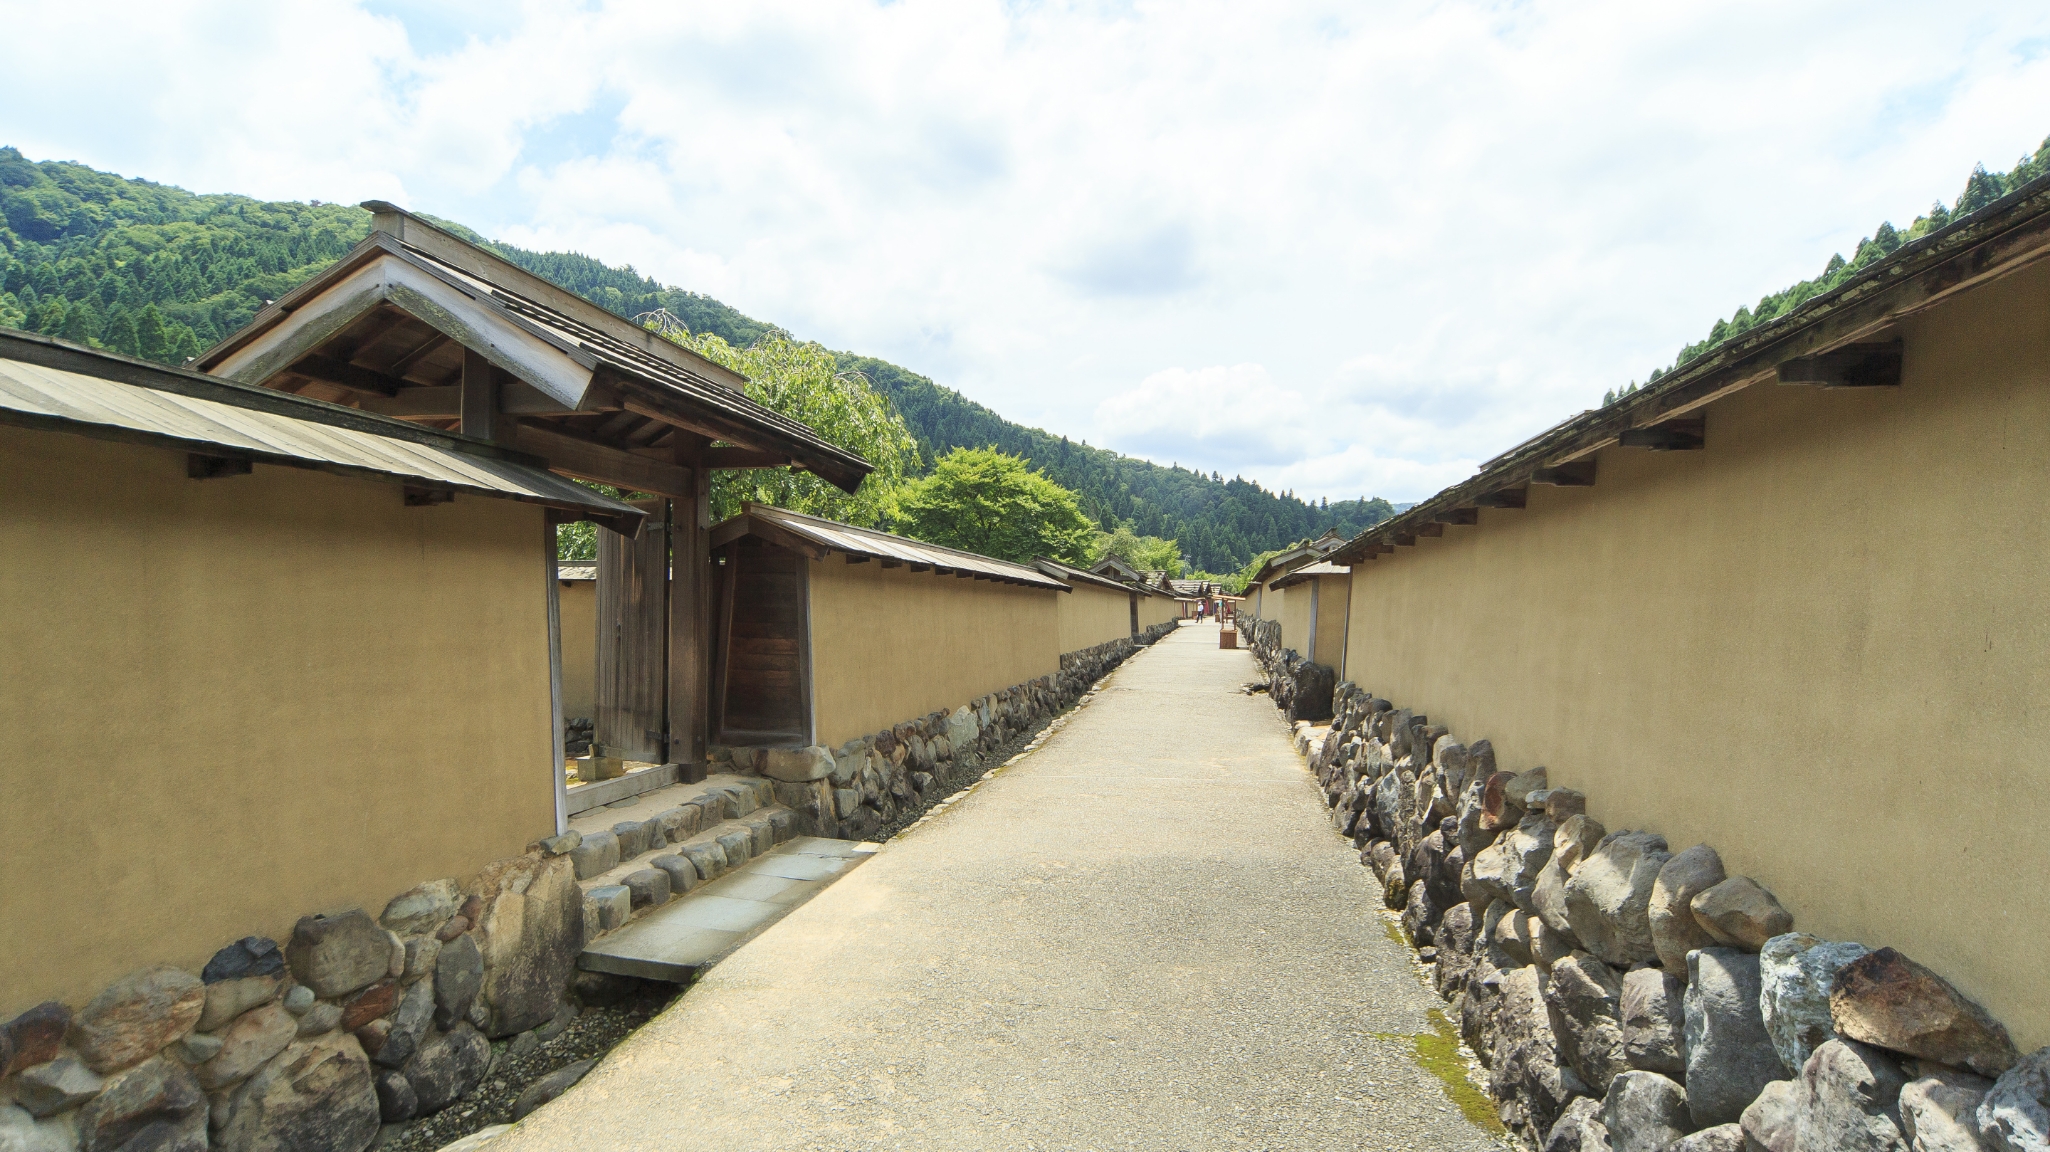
{"x":162,"y":273}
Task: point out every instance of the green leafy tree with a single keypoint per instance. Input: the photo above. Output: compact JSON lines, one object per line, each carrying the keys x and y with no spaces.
{"x":1146,"y":553}
{"x":804,"y":382}
{"x":982,"y":500}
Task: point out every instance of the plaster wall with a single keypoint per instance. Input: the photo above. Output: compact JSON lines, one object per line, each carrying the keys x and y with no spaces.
{"x":579,"y":648}
{"x":1334,"y":597}
{"x":239,"y":700}
{"x":1294,"y":615}
{"x":890,"y":644}
{"x":1157,"y":610}
{"x":1820,"y":645}
{"x":1091,"y":615}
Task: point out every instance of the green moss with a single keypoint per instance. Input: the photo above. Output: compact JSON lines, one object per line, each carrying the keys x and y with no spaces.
{"x":1437,"y":1052}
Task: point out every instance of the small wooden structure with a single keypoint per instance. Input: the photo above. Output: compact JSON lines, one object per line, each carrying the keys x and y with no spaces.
{"x":420,"y":324}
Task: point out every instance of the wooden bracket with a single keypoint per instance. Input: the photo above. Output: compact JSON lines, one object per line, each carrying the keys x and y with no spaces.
{"x":331,"y":370}
{"x":203,"y":467}
{"x":419,"y":497}
{"x":1687,"y":434}
{"x":1460,"y":516}
{"x":856,"y":558}
{"x":1875,"y":365}
{"x":1405,"y":539}
{"x":1573,"y":474}
{"x":1504,"y":498}
{"x":1432,"y":529}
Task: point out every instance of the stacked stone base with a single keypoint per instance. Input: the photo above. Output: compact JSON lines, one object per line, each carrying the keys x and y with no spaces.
{"x":1300,"y":688}
{"x":1623,"y":996}
{"x":355,"y":1022}
{"x":863,"y":786}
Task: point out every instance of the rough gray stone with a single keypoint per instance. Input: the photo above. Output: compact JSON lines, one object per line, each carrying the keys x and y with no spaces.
{"x":136,"y":1017}
{"x":1472,"y":837}
{"x":549,"y":1087}
{"x":613,"y":904}
{"x":299,"y":1000}
{"x":679,"y":823}
{"x":154,"y":1105}
{"x":1769,"y":1122}
{"x":1547,"y":947}
{"x":1608,"y":897}
{"x":227,"y":999}
{"x":1721,"y":1138}
{"x":1526,"y":1066}
{"x":198,"y":1048}
{"x":706,"y":856}
{"x":1730,"y":1059}
{"x":335,"y":955}
{"x":48,"y":1089}
{"x":249,"y":956}
{"x":315,"y":1096}
{"x":1847,"y":1100}
{"x":422,"y":910}
{"x":1645,"y":1112}
{"x":1654,"y":1021}
{"x":401,"y":1036}
{"x":254,"y":1037}
{"x":845,"y":801}
{"x":596,"y":855}
{"x":1584,"y":997}
{"x":561,"y":844}
{"x":1477,"y":1004}
{"x":1939,"y":1110}
{"x":1420,"y":915}
{"x":1674,"y":930}
{"x":633,"y":838}
{"x":1510,"y":931}
{"x":21,"y":1132}
{"x":529,"y":931}
{"x":798,"y":764}
{"x":1574,"y":839}
{"x":2015,"y":1115}
{"x":458,"y":976}
{"x":1508,"y":869}
{"x":1884,"y":998}
{"x":683,"y":875}
{"x":1456,"y":931}
{"x":421,"y":954}
{"x":1796,"y":972}
{"x":647,"y":887}
{"x":1579,"y":1128}
{"x":322,"y":1017}
{"x":448,"y":1066}
{"x":33,"y":1037}
{"x":739,"y":844}
{"x":396,"y":1100}
{"x":1740,"y":913}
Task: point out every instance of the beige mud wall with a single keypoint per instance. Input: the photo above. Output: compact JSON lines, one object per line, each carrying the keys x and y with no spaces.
{"x":1822,"y":645}
{"x":1092,"y":615}
{"x":890,"y":644}
{"x":1293,"y":611}
{"x":1158,"y":610}
{"x":233,"y":702}
{"x":579,"y":649}
{"x":1334,"y":597}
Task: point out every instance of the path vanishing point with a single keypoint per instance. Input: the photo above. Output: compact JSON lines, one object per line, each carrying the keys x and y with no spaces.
{"x":1143,"y":935}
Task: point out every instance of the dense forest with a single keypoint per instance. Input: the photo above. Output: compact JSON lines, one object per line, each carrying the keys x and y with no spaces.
{"x":162,"y":273}
{"x":1981,"y":188}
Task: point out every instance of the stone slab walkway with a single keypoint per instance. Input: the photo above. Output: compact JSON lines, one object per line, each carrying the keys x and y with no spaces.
{"x":1144,"y":935}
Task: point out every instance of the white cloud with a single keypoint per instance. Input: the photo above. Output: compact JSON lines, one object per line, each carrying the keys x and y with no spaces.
{"x":1441,"y":224}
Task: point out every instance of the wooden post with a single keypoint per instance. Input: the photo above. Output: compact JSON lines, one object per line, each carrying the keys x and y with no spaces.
{"x":690,"y":615}
{"x":480,"y":397}
{"x":555,"y":681}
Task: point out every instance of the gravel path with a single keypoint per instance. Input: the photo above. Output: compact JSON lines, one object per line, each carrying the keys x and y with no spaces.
{"x":1143,"y":935}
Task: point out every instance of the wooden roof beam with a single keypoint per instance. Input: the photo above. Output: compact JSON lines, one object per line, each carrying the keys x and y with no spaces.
{"x":1464,"y":515}
{"x":330,"y":370}
{"x":1688,"y":434}
{"x":1577,"y":474}
{"x":1504,"y":498}
{"x":1872,"y":365}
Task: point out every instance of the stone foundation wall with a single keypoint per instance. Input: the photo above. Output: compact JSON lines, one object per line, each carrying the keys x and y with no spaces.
{"x":1301,"y":689}
{"x":354,"y":1022}
{"x":857,"y":789}
{"x":1623,"y":995}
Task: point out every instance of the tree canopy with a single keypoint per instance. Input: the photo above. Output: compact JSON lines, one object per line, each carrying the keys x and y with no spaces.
{"x":1146,"y":553}
{"x":982,"y":500}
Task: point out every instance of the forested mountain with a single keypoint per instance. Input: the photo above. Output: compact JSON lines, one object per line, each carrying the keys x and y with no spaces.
{"x":162,"y":273}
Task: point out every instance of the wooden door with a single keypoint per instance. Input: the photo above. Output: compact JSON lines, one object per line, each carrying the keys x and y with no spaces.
{"x":633,"y":625}
{"x":763,"y":674}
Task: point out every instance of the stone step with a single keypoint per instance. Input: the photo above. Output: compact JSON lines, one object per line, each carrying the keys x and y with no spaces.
{"x":676,"y":941}
{"x":633,"y":888}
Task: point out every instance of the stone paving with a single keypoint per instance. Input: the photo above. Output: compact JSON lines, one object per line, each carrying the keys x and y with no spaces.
{"x":1143,"y":935}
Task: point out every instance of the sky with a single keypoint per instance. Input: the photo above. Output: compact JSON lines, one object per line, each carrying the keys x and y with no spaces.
{"x":1341,"y":249}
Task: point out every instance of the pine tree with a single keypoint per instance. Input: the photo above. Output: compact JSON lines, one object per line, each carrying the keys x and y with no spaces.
{"x":152,"y":342}
{"x":1981,"y":188}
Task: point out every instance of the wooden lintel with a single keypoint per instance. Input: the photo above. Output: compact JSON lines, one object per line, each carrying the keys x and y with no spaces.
{"x":199,"y":466}
{"x":1576,"y":474}
{"x":1873,"y":365}
{"x":1688,"y":434}
{"x":440,"y":403}
{"x":577,"y":457}
{"x":1504,"y":498}
{"x":1431,"y":529}
{"x":333,"y":371}
{"x":1467,"y":515}
{"x":743,"y":458}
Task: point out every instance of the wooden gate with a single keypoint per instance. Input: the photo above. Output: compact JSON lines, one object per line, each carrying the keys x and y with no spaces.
{"x":633,"y":629}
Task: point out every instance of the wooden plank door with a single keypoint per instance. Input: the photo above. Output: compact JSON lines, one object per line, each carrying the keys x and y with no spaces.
{"x":633,"y":626}
{"x":763,"y":676}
